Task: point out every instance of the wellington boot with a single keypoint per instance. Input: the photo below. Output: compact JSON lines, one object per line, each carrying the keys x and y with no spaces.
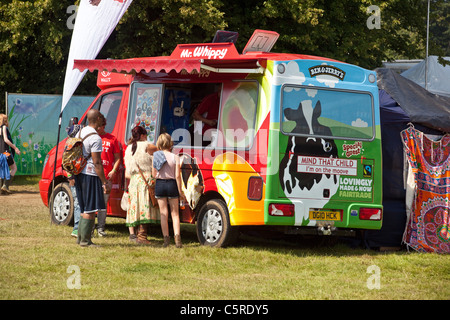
{"x":79,"y":232}
{"x":85,"y":232}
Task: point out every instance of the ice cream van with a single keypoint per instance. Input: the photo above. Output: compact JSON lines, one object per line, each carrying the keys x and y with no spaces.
{"x":295,"y":143}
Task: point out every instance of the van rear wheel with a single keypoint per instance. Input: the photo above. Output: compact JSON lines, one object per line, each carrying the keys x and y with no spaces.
{"x":61,"y":205}
{"x":213,"y":225}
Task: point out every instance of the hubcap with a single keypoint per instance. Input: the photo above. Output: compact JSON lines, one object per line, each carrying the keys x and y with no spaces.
{"x":212,"y":226}
{"x":61,"y":206}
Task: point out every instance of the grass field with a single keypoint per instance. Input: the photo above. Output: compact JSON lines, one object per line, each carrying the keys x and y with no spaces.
{"x":40,"y":261}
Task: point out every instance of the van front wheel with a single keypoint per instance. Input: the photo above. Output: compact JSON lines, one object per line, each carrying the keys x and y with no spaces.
{"x":213,"y":225}
{"x":61,"y":205}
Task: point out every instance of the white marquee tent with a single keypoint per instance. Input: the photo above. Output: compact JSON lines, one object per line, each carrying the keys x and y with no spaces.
{"x":438,"y":78}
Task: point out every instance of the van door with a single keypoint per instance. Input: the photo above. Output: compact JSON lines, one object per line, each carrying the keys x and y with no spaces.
{"x":109,"y":105}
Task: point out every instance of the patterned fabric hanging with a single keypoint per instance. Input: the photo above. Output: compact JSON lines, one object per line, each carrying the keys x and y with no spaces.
{"x":427,"y":227}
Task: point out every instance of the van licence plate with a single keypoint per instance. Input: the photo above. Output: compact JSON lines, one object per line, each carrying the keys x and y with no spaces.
{"x":318,"y":214}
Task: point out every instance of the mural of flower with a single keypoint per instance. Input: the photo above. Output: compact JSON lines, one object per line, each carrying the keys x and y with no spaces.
{"x":29,"y":133}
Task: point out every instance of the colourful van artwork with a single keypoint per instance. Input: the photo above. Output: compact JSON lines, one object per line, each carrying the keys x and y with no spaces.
{"x":292,"y":141}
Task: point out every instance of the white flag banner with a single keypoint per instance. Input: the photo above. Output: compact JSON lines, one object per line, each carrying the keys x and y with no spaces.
{"x":95,"y":21}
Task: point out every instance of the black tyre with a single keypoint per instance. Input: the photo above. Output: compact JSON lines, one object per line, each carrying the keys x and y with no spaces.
{"x":61,"y":205}
{"x":213,"y":225}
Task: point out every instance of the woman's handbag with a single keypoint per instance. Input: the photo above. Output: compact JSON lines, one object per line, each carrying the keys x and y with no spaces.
{"x":125,"y":202}
{"x":3,"y":146}
{"x":151,"y":192}
{"x":9,"y":158}
{"x":151,"y":188}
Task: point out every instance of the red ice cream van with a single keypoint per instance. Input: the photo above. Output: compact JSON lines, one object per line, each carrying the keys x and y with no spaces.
{"x":295,"y":145}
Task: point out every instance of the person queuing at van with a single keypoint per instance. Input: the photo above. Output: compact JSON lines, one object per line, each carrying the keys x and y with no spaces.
{"x":111,"y":158}
{"x":6,"y":145}
{"x":138,"y":159}
{"x":72,"y":131}
{"x":76,"y":207}
{"x":166,"y":170}
{"x":91,"y":183}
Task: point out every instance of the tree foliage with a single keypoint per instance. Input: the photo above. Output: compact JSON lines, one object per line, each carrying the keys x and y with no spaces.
{"x":33,"y":45}
{"x":35,"y":38}
{"x":440,"y":28}
{"x":155,"y":27}
{"x":337,"y":29}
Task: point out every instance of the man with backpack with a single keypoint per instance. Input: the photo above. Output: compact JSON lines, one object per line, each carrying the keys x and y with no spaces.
{"x":91,"y":183}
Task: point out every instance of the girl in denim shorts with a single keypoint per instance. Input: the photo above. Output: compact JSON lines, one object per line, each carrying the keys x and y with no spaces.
{"x":166,"y":170}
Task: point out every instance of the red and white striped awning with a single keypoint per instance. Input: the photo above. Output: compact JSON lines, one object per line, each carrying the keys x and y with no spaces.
{"x":167,"y":64}
{"x":157,"y":64}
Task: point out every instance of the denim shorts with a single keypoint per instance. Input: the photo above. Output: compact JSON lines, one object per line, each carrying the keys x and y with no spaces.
{"x":166,"y":188}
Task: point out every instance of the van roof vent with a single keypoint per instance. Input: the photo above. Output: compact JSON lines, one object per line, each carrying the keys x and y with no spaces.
{"x":225,"y":36}
{"x":261,"y":40}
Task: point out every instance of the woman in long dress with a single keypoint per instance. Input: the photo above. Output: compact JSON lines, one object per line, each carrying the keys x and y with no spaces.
{"x":141,"y":212}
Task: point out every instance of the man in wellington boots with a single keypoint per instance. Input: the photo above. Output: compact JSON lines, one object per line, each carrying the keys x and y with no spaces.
{"x":85,"y":232}
{"x":91,"y":183}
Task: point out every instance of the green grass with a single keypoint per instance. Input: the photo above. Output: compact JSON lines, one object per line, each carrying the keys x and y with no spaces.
{"x":35,"y":256}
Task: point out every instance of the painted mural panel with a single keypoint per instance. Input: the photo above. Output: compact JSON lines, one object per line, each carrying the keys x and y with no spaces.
{"x":33,"y":123}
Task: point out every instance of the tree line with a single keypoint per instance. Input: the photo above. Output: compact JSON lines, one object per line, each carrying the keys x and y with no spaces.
{"x":35,"y":35}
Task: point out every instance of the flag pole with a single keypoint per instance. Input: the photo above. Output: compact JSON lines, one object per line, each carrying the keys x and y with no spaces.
{"x":426,"y":54}
{"x":101,"y":16}
{"x":56,"y":158}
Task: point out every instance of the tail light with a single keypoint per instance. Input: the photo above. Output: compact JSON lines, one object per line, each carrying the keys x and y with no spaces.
{"x":255,"y":188}
{"x":370,"y":214}
{"x":280,"y":209}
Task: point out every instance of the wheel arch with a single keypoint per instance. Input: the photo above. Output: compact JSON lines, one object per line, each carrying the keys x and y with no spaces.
{"x":210,"y":195}
{"x":58,"y":180}
{"x":228,"y":235}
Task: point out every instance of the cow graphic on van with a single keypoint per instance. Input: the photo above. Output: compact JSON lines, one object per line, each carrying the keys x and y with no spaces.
{"x":297,"y":184}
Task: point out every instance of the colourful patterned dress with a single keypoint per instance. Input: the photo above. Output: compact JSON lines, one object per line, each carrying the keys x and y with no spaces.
{"x":140,"y":210}
{"x":427,"y":228}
